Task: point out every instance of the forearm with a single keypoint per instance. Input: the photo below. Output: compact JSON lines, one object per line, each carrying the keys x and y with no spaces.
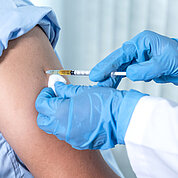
{"x":22,"y":75}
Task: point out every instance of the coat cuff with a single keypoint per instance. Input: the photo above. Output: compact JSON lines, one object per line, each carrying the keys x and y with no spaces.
{"x":125,"y":113}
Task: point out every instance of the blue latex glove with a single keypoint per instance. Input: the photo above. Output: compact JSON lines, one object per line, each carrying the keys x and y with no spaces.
{"x":145,"y":57}
{"x":86,"y":117}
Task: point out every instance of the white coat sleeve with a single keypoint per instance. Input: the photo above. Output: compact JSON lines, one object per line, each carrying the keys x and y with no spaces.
{"x":152,"y":138}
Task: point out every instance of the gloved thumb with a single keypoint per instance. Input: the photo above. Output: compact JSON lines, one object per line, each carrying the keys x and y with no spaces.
{"x":144,"y":71}
{"x":67,"y":91}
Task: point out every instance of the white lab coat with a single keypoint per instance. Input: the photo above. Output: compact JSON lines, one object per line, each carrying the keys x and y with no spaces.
{"x":152,"y":138}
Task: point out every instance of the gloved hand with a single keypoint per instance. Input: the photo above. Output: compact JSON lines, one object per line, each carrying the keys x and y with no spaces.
{"x":145,"y":57}
{"x":86,"y":117}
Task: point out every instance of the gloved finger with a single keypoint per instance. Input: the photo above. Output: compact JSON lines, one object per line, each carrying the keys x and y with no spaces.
{"x":144,"y":71}
{"x":111,"y":82}
{"x":46,"y":102}
{"x":114,"y":62}
{"x":167,"y":79}
{"x":46,"y":92}
{"x":67,"y":91}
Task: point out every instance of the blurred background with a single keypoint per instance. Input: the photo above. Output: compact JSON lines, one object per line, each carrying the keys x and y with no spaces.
{"x":92,"y":29}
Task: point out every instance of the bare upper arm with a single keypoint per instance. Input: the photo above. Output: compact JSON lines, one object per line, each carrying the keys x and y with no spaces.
{"x":22,"y":77}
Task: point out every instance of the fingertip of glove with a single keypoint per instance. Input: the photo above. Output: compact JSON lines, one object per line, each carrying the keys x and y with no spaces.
{"x":46,"y":89}
{"x":92,"y":76}
{"x":47,"y":92}
{"x":58,"y":84}
{"x":132,"y":73}
{"x":97,"y":76}
{"x":61,"y":87}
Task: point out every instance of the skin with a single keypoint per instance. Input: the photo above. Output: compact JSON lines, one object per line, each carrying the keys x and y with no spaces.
{"x":22,"y":76}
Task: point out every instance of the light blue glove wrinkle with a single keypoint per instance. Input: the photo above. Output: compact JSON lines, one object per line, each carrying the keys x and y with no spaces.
{"x":18,"y":17}
{"x":86,"y":117}
{"x":145,"y":57}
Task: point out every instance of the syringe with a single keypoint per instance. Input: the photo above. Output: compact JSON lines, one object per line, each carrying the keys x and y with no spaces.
{"x":80,"y":72}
